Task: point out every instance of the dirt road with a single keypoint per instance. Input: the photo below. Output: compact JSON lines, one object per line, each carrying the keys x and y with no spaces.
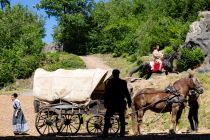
{"x":93,"y":62}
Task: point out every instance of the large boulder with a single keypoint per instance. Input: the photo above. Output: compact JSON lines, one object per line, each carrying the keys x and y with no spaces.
{"x":199,"y":36}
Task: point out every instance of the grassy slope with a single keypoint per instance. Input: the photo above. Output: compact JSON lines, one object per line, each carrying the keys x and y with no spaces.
{"x":160,"y":82}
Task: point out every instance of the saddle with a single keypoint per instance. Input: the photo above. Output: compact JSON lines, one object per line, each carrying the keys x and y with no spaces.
{"x":170,"y":89}
{"x":175,"y":97}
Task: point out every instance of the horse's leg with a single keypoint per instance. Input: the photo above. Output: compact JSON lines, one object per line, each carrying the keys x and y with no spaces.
{"x":175,"y":108}
{"x":142,"y":74}
{"x":134,"y":119}
{"x":148,"y":75}
{"x":140,"y":115}
{"x":134,"y":70}
{"x":178,"y":116}
{"x":166,"y":72}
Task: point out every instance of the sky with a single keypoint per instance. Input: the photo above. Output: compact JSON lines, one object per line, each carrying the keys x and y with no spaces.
{"x":49,"y":23}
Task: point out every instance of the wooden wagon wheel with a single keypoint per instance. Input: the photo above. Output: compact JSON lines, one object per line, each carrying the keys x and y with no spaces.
{"x":115,"y":125}
{"x":68,"y":124}
{"x":45,"y":122}
{"x":95,"y":125}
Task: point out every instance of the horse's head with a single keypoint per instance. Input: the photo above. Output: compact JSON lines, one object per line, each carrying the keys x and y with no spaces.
{"x":194,"y":84}
{"x":172,"y":56}
{"x":168,"y":60}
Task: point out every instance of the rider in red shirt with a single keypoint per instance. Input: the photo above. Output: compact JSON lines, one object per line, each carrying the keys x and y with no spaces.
{"x":158,"y":56}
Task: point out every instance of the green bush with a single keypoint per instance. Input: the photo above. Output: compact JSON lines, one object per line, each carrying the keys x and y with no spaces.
{"x":26,"y":66}
{"x":6,"y":75}
{"x":168,"y":50}
{"x":57,"y":60}
{"x":190,"y":59}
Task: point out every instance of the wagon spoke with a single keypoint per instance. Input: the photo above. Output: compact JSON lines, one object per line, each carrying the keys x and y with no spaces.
{"x":72,"y":126}
{"x":52,"y":129}
{"x":95,"y":131}
{"x":48,"y":128}
{"x":63,"y":128}
{"x":67,"y":130}
{"x":45,"y":129}
{"x":92,"y":129}
{"x":70,"y":129}
{"x":40,"y":126}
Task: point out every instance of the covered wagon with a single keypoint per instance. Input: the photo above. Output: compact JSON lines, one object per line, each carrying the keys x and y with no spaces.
{"x":62,"y":97}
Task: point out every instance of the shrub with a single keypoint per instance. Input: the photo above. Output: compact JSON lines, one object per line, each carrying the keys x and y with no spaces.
{"x":190,"y":59}
{"x":168,"y":50}
{"x":6,"y":75}
{"x":26,"y":66}
{"x":57,"y":60}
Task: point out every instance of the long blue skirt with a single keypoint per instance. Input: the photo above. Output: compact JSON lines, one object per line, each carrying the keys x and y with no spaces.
{"x":19,"y":123}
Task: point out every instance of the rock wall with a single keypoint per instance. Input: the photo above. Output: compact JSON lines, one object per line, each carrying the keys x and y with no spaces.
{"x":199,"y":36}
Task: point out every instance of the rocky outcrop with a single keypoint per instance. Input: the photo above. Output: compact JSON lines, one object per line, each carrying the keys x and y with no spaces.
{"x":53,"y":47}
{"x":199,"y":36}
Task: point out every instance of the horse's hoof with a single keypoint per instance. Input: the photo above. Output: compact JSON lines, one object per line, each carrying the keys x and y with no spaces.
{"x":190,"y":131}
{"x":171,"y":131}
{"x":178,"y":132}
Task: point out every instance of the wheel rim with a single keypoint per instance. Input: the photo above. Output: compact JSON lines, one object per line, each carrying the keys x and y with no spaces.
{"x":114,"y":127}
{"x":68,"y":124}
{"x":45,"y":122}
{"x":95,"y":125}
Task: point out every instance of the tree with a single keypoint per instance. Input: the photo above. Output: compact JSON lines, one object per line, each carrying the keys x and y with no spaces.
{"x":3,"y":3}
{"x":74,"y":18}
{"x":21,"y":34}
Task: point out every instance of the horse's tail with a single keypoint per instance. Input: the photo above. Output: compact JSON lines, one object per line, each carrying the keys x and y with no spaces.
{"x":134,"y":70}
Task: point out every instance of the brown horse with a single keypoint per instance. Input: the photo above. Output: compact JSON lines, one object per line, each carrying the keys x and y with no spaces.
{"x":160,"y":101}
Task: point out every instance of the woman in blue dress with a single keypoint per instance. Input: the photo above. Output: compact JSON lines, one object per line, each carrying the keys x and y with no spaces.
{"x":19,"y":123}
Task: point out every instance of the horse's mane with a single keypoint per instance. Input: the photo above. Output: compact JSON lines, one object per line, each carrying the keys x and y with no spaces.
{"x":182,"y":79}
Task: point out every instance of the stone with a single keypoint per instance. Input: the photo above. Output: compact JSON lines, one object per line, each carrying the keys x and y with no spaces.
{"x":199,"y":36}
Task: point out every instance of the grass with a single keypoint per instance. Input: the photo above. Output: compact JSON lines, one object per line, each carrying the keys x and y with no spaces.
{"x":116,"y":63}
{"x":56,"y":60}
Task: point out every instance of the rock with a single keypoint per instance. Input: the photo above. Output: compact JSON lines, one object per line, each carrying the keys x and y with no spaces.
{"x":53,"y":47}
{"x":199,"y":36}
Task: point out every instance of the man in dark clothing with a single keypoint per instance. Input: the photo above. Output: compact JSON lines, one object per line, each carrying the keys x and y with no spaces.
{"x":193,"y":111}
{"x":114,"y":101}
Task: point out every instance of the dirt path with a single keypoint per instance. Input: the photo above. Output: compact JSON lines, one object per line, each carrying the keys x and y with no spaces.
{"x":93,"y":62}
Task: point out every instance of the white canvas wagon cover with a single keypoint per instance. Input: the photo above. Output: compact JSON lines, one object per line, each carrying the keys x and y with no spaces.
{"x":68,"y":85}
